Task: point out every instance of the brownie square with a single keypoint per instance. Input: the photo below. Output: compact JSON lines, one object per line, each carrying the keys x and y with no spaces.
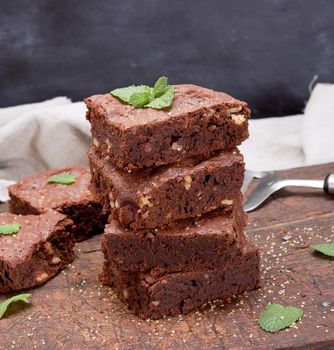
{"x":195,"y":244}
{"x":42,"y":247}
{"x":155,"y":197}
{"x":179,"y":293}
{"x":199,"y":122}
{"x":34,"y":195}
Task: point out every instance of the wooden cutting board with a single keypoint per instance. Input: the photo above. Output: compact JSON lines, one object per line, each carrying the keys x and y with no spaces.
{"x":74,"y":311}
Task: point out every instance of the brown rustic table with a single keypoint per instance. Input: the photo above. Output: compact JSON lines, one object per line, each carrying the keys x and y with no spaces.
{"x":74,"y":311}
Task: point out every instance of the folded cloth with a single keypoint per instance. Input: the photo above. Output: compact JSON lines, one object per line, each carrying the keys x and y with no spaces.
{"x":52,"y":134}
{"x":274,"y":143}
{"x":288,"y":142}
{"x":3,"y":189}
{"x":318,"y":126}
{"x":55,"y":134}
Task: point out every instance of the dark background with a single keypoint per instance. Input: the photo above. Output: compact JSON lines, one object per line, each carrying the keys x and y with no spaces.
{"x":265,"y":52}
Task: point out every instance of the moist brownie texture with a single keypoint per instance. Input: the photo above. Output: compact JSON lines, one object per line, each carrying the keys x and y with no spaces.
{"x":42,"y":247}
{"x":178,"y":293}
{"x":153,"y":198}
{"x":199,"y":122}
{"x":194,"y":244}
{"x":34,"y":195}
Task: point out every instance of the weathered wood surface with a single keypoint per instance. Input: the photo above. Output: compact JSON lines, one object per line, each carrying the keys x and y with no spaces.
{"x":73,"y":311}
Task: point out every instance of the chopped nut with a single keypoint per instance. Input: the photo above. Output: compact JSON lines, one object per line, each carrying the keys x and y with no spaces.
{"x":234,"y":110}
{"x":111,"y":198}
{"x":145,"y":200}
{"x":155,"y":303}
{"x":117,"y":205}
{"x":55,"y":260}
{"x":145,"y":215}
{"x":125,"y":293}
{"x":211,"y":111}
{"x":48,"y":247}
{"x":187,"y":180}
{"x":227,"y":201}
{"x":95,"y":142}
{"x":42,"y":277}
{"x":176,"y":147}
{"x":238,"y":119}
{"x":212,"y":127}
{"x":108,"y":143}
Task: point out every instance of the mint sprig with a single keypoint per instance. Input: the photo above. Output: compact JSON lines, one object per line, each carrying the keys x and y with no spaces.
{"x":276,"y":317}
{"x":325,"y":248}
{"x":142,"y":96}
{"x":9,"y":229}
{"x":62,"y":178}
{"x":20,"y":297}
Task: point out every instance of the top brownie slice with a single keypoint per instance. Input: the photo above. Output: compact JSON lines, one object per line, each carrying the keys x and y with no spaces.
{"x":34,"y":195}
{"x":199,"y":122}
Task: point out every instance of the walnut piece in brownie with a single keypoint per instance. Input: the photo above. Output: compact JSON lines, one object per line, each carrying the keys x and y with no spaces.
{"x":42,"y":247}
{"x":151,"y":296}
{"x":155,"y":197}
{"x":199,"y":122}
{"x":204,"y":243}
{"x":34,"y":195}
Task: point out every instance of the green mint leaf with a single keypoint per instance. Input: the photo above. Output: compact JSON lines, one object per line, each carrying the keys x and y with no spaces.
{"x":276,"y":317}
{"x":124,"y":94}
{"x":141,"y":99}
{"x":62,"y":178}
{"x":10,"y":229}
{"x":160,"y":86}
{"x":158,"y":97}
{"x":325,"y":248}
{"x":164,"y":100}
{"x":20,"y":297}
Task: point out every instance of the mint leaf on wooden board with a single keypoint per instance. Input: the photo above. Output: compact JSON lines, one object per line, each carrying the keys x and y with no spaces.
{"x":164,"y":100}
{"x":325,"y":248}
{"x":125,"y":94}
{"x":62,"y":178}
{"x":9,"y":229}
{"x":20,"y":297}
{"x":276,"y":317}
{"x":142,"y":96}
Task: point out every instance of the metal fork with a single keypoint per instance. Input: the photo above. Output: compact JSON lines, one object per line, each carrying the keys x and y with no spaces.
{"x":273,"y":182}
{"x":249,"y":176}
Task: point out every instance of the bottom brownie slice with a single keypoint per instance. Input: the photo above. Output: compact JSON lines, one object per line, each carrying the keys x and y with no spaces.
{"x":41,"y":247}
{"x":178,"y":293}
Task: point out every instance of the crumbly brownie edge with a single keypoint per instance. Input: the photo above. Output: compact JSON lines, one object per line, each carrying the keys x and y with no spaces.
{"x":46,"y":260}
{"x":18,"y":205}
{"x":88,"y":216}
{"x":88,"y":219}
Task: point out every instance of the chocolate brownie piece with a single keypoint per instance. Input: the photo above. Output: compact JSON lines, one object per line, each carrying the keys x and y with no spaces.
{"x":153,"y":198}
{"x":178,"y":293}
{"x":195,"y":244}
{"x":199,"y":122}
{"x":34,"y":195}
{"x":42,"y":247}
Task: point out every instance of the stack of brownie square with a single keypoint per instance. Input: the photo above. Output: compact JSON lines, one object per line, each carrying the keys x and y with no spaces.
{"x":171,"y":181}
